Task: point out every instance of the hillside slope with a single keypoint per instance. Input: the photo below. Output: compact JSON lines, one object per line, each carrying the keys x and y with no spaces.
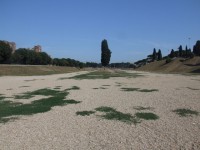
{"x":26,"y":70}
{"x":178,"y":65}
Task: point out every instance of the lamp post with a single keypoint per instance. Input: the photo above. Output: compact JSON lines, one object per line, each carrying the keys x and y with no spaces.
{"x":189,"y":42}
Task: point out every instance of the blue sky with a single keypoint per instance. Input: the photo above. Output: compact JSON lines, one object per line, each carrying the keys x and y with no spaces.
{"x":75,"y":28}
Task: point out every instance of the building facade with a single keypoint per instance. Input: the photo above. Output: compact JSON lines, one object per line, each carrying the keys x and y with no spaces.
{"x":12,"y":45}
{"x":37,"y":48}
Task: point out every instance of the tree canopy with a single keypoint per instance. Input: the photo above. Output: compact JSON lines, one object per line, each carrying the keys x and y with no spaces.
{"x":5,"y":52}
{"x":29,"y":57}
{"x":196,"y":48}
{"x":154,"y":55}
{"x":105,"y":53}
{"x":159,"y":55}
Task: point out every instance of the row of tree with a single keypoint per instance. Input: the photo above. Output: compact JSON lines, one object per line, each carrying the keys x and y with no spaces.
{"x":180,"y":52}
{"x":27,"y":56}
{"x":30,"y":57}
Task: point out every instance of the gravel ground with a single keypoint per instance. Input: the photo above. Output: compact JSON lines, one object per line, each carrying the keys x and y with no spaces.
{"x":61,"y":128}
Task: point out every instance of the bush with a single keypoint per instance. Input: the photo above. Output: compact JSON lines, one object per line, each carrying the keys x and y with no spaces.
{"x":191,"y":55}
{"x":168,"y":60}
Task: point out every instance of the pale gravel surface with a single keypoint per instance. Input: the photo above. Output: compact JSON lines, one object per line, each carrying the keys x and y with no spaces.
{"x":61,"y":128}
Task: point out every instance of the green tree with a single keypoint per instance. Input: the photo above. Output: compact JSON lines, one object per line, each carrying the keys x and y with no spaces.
{"x":172,"y":54}
{"x":180,"y":50}
{"x":159,"y":55}
{"x":105,"y":53}
{"x":196,"y":48}
{"x":5,"y":52}
{"x":154,"y":54}
{"x":29,"y":57}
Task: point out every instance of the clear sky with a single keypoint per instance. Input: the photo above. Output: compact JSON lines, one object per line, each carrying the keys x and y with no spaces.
{"x":75,"y":28}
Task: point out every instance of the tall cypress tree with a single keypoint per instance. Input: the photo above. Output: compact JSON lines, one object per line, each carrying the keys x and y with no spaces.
{"x":154,"y":54}
{"x":172,"y":54}
{"x":105,"y":53}
{"x":180,"y":50}
{"x":159,"y":55}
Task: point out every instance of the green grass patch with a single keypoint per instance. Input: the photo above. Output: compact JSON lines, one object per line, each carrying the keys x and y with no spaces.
{"x":28,"y":95}
{"x":148,"y":90}
{"x":146,"y":116}
{"x":57,"y":98}
{"x":104,"y":75}
{"x":130,"y":89}
{"x":100,"y":88}
{"x":138,"y":90}
{"x":123,"y":117}
{"x":105,"y":109}
{"x":85,"y":113}
{"x":185,"y":112}
{"x":113,"y":114}
{"x":73,"y":88}
{"x":110,"y":113}
{"x":143,"y":108}
{"x":2,"y":97}
{"x":57,"y":88}
{"x":71,"y":101}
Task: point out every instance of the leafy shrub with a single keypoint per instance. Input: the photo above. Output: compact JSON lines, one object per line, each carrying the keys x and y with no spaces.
{"x":168,"y":60}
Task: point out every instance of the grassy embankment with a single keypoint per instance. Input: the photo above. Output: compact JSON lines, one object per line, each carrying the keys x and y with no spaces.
{"x":29,"y":70}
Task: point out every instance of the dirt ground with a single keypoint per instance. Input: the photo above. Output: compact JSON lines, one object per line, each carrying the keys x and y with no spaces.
{"x":62,"y":128}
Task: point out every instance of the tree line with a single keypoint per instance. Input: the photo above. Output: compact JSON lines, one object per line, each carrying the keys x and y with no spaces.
{"x":180,"y":52}
{"x":30,"y":57}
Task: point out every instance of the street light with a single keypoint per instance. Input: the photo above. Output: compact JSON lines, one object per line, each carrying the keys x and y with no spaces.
{"x":189,"y":42}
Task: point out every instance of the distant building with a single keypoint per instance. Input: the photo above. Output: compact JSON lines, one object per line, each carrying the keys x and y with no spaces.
{"x":12,"y":45}
{"x":37,"y":48}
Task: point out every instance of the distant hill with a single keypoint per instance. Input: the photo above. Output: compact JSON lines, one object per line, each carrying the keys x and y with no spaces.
{"x":178,"y":65}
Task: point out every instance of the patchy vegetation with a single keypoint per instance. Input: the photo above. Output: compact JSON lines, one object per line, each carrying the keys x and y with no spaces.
{"x":85,"y":113}
{"x":104,"y":75}
{"x":105,"y":109}
{"x":185,"y":112}
{"x":146,"y":116}
{"x":73,"y":88}
{"x":57,"y":98}
{"x":143,"y":108}
{"x":139,"y":90}
{"x":112,"y":114}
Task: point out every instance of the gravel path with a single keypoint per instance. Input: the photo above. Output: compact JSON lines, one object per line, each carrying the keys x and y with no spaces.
{"x":61,"y":128}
